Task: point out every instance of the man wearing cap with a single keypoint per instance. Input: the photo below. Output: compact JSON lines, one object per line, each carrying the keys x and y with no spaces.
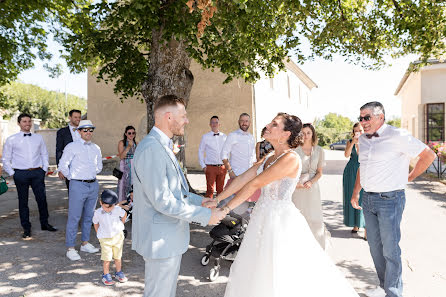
{"x":67,"y":135}
{"x":25,"y":158}
{"x":80,"y":163}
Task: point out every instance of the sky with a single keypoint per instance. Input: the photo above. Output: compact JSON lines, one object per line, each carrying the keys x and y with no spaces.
{"x":342,"y":87}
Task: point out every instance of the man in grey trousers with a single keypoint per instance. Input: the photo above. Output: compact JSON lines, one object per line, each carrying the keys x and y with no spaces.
{"x":163,"y":206}
{"x":80,"y":162}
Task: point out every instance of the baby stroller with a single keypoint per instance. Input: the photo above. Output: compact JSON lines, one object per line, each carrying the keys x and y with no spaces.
{"x":226,"y":239}
{"x":127,"y":205}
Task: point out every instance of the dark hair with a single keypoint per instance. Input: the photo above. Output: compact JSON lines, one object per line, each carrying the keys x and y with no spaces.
{"x":124,"y":140}
{"x":168,"y":100}
{"x":23,"y":115}
{"x":376,"y":108}
{"x":214,"y":117}
{"x":244,"y":114}
{"x":294,"y":125}
{"x":263,"y":132}
{"x":314,"y":139}
{"x":357,"y":124}
{"x":70,"y":113}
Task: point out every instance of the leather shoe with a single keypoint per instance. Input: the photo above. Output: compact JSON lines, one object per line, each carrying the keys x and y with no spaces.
{"x":48,"y":227}
{"x":26,"y":234}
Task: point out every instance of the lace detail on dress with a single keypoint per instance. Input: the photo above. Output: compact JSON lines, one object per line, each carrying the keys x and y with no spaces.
{"x":281,"y":189}
{"x":274,"y":197}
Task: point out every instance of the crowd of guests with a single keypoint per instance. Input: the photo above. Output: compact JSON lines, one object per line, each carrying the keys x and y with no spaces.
{"x":79,"y":160}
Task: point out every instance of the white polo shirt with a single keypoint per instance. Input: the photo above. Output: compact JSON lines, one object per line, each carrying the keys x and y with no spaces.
{"x":384,"y":160}
{"x":110,"y":223}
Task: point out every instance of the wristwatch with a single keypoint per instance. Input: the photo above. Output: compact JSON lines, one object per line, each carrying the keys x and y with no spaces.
{"x":230,"y":170}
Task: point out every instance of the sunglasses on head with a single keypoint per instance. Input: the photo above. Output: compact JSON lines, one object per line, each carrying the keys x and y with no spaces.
{"x":87,"y":129}
{"x":365,"y":118}
{"x":131,"y":133}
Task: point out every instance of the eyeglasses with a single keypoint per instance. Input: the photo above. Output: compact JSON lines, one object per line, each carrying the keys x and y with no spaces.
{"x":131,"y":133}
{"x":365,"y":118}
{"x":87,"y":130}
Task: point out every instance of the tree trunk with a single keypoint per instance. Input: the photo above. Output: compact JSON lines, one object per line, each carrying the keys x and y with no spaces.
{"x":168,"y":74}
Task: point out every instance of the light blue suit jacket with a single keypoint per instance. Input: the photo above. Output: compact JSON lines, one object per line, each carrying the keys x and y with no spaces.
{"x":163,"y":206}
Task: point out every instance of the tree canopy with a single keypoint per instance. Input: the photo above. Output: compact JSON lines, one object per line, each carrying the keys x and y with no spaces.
{"x":24,"y":29}
{"x":49,"y":106}
{"x":245,"y":38}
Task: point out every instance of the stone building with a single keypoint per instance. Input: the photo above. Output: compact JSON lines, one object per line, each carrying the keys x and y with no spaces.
{"x":289,"y":91}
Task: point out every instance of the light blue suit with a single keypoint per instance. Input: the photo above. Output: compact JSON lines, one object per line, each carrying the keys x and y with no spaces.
{"x":163,"y":209}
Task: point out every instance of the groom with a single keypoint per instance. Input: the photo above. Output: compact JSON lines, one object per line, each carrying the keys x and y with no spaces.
{"x":163,"y":205}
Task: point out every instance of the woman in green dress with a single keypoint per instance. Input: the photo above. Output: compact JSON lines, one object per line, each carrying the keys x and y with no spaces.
{"x":352,"y":217}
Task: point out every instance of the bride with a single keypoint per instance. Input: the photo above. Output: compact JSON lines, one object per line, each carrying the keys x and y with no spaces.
{"x":279,"y":256}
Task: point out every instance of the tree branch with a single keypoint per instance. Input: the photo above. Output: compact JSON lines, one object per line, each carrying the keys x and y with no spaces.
{"x":342,"y":10}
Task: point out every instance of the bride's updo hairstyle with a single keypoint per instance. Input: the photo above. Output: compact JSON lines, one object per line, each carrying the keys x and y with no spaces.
{"x":294,"y":125}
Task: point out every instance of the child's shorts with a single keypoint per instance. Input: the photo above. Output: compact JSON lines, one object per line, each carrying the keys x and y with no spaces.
{"x":111,"y":248}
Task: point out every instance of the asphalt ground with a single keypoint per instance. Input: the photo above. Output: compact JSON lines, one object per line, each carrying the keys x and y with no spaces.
{"x":39,"y":267}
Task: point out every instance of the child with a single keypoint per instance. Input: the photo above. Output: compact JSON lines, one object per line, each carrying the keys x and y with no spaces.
{"x":109,"y":224}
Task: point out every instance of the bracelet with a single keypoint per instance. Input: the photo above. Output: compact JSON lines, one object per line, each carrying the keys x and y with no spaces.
{"x":227,"y":209}
{"x":230,"y":170}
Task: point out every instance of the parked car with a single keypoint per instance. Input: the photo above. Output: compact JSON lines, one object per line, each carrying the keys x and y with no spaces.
{"x":340,"y":145}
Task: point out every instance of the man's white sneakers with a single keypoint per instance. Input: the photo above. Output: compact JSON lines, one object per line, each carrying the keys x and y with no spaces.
{"x":89,"y":248}
{"x":377,"y":292}
{"x":73,"y":255}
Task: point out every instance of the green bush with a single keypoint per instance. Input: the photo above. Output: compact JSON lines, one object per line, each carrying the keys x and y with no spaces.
{"x":333,"y":128}
{"x":49,"y":106}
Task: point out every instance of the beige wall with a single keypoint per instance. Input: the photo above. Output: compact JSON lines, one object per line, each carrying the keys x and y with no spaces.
{"x":210,"y":97}
{"x":410,"y":95}
{"x":110,"y":116}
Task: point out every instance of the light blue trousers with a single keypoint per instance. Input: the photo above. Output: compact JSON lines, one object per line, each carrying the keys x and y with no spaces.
{"x":161,"y":276}
{"x":82,"y":200}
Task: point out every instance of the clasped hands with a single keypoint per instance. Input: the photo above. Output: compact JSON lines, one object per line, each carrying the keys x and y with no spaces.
{"x":217,"y":214}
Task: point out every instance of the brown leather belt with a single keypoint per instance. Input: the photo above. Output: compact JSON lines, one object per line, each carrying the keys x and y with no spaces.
{"x":29,"y":169}
{"x":215,"y":165}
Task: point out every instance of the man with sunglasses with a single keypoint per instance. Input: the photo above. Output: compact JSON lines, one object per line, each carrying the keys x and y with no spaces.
{"x":80,"y":163}
{"x":383,"y":174}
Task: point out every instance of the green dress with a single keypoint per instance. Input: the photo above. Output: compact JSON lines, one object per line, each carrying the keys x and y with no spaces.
{"x":352,"y":217}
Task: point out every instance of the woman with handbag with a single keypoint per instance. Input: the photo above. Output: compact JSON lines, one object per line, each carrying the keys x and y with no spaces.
{"x":307,"y":196}
{"x":126,"y":149}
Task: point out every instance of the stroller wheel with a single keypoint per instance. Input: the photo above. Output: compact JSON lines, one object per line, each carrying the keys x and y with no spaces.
{"x":205,"y":260}
{"x":213,"y":274}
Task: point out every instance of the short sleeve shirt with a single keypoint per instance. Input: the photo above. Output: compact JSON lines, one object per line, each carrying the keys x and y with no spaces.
{"x":110,"y":223}
{"x":384,"y":160}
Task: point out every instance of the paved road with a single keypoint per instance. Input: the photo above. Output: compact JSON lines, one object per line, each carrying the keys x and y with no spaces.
{"x":38,"y":267}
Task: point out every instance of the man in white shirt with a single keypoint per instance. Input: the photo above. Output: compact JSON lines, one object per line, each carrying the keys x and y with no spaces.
{"x":80,"y":163}
{"x":66,"y":135}
{"x":209,"y":157}
{"x":384,"y":157}
{"x":238,"y":153}
{"x":25,"y":158}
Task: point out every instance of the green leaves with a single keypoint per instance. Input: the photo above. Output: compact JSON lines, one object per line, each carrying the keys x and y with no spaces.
{"x":51,"y":107}
{"x":24,"y":33}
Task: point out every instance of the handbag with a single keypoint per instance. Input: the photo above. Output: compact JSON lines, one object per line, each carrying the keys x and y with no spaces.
{"x":117,"y":173}
{"x":3,"y":185}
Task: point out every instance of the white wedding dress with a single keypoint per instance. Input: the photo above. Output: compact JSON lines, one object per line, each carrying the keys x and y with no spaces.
{"x":279,"y":256}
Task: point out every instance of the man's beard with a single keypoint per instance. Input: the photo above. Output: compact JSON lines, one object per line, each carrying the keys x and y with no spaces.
{"x":243,"y":128}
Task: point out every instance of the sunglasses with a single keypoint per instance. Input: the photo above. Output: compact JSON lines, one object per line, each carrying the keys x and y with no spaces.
{"x":87,"y":130}
{"x":365,"y":118}
{"x":131,"y":133}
